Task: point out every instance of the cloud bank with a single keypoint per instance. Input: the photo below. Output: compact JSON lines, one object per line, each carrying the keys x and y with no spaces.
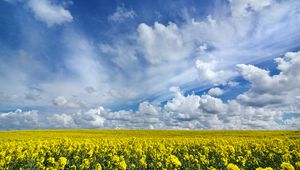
{"x":253,"y":109}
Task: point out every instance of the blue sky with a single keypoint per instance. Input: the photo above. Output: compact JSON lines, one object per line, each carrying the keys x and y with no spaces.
{"x":224,"y":64}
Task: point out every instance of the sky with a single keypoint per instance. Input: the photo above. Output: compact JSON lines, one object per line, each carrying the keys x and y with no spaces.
{"x":172,"y":64}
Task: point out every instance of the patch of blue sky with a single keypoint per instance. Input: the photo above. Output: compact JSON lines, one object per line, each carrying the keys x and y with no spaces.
{"x":10,"y":26}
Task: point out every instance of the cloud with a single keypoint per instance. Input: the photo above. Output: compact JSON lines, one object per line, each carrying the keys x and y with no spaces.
{"x":20,"y":120}
{"x":183,"y":107}
{"x":266,"y":89}
{"x":89,"y":119}
{"x":233,"y":84}
{"x":61,"y":121}
{"x":60,"y":101}
{"x":71,"y":103}
{"x":34,"y":94}
{"x":242,"y":8}
{"x":90,"y":89}
{"x":121,"y":14}
{"x":162,"y":43}
{"x":208,"y":71}
{"x":50,"y":13}
{"x":215,"y":91}
{"x":211,"y":105}
{"x":148,"y":116}
{"x":156,"y":56}
{"x":292,"y":123}
{"x":204,"y":54}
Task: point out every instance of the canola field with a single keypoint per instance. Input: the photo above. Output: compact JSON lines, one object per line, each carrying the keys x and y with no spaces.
{"x":149,"y":149}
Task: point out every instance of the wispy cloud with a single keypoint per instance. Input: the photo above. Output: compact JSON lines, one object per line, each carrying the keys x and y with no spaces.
{"x":192,"y":111}
{"x":121,"y":14}
{"x":49,"y":12}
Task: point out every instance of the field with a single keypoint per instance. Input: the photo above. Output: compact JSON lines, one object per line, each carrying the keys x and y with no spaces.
{"x":149,"y":149}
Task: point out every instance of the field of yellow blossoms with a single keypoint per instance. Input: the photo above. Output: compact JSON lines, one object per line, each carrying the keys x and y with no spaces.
{"x":152,"y":149}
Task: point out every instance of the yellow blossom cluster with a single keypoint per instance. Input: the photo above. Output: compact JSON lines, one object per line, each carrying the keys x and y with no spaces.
{"x":159,"y":150}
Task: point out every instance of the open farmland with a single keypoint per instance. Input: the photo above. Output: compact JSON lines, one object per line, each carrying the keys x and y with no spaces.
{"x":149,"y":149}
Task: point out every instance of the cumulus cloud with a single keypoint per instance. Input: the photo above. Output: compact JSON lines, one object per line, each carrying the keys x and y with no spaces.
{"x":190,"y":111}
{"x":61,"y":121}
{"x":206,"y":55}
{"x":266,"y":89}
{"x":20,"y":120}
{"x":91,"y":118}
{"x":215,"y":91}
{"x":73,"y":102}
{"x":60,"y":101}
{"x":121,"y":14}
{"x":208,"y":71}
{"x":212,"y":105}
{"x":88,"y":119}
{"x":50,"y":13}
{"x":183,"y":107}
{"x":148,"y":116}
{"x":207,"y":112}
{"x":162,"y":43}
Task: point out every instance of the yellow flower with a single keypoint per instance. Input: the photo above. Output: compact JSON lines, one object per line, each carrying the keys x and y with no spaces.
{"x":62,"y":161}
{"x":172,"y":159}
{"x":73,"y":167}
{"x":267,"y":168}
{"x":51,"y":160}
{"x":297,"y":164}
{"x":287,"y":166}
{"x":98,"y":166}
{"x":143,"y":161}
{"x":232,"y":166}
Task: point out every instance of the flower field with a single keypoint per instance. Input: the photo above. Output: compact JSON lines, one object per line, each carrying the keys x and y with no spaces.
{"x":153,"y":149}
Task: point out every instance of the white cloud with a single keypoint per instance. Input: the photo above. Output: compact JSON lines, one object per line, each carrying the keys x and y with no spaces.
{"x":215,"y":91}
{"x":182,"y":107}
{"x":208,"y":71}
{"x":242,"y":8}
{"x":233,"y":84}
{"x":60,"y":101}
{"x":147,"y":108}
{"x":163,"y":44}
{"x":91,"y":118}
{"x":266,"y":89}
{"x":215,"y":45}
{"x":121,"y":14}
{"x":20,"y":120}
{"x":148,"y":116}
{"x":212,"y":105}
{"x":33,"y":94}
{"x":61,"y":121}
{"x":50,"y":13}
{"x":88,"y":119}
{"x":126,"y":58}
{"x":72,"y":103}
{"x":292,"y":123}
